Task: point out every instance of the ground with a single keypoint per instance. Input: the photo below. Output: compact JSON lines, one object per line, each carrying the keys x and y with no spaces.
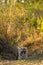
{"x":22,"y":62}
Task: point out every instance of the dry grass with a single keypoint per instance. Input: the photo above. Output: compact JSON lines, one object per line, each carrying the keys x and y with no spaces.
{"x":22,"y":62}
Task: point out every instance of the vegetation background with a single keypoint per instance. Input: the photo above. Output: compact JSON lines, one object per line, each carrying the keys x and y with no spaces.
{"x":21,"y":24}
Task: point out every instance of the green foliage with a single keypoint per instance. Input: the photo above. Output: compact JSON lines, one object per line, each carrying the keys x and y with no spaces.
{"x":40,"y":24}
{"x":34,"y":22}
